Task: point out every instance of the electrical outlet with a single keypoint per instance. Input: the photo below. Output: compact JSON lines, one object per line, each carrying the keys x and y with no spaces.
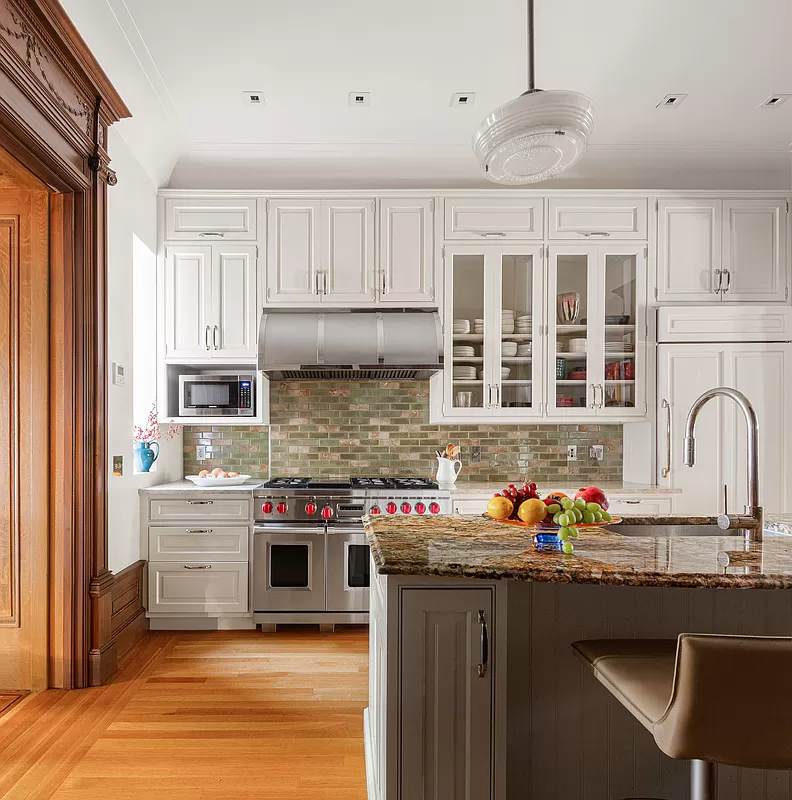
{"x":200,"y":452}
{"x":596,"y":452}
{"x":571,"y":452}
{"x":475,"y":455}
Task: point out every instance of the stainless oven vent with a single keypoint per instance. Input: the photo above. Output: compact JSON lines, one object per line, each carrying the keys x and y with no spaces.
{"x":362,"y":374}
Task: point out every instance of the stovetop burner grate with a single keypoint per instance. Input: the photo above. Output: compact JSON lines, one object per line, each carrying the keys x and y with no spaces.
{"x":289,"y":482}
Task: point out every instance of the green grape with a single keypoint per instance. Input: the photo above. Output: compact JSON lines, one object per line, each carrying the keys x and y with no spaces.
{"x":567,"y":502}
{"x":588,"y":517}
{"x":573,"y":533}
{"x":606,"y":516}
{"x":580,"y":503}
{"x":578,"y":514}
{"x":593,"y":507}
{"x":556,"y":517}
{"x":554,"y":509}
{"x":564,"y":534}
{"x":598,"y":516}
{"x":564,"y":520}
{"x":567,"y":547}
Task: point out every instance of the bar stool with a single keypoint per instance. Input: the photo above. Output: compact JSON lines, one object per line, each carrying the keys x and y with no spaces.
{"x":706,"y":698}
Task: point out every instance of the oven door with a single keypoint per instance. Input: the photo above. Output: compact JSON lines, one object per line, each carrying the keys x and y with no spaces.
{"x":348,"y":569}
{"x":288,"y":568}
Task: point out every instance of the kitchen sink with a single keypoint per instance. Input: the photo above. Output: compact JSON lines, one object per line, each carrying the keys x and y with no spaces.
{"x":674,"y":530}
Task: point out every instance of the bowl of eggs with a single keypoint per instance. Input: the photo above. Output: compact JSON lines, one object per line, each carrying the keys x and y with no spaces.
{"x":217,"y":477}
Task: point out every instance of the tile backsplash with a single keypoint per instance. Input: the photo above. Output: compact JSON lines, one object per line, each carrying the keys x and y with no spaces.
{"x":370,"y":428}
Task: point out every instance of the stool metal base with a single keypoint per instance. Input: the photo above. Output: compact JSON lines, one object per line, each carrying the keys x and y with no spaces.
{"x":703,"y":780}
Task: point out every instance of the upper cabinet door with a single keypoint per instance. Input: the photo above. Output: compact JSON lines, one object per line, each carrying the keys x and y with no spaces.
{"x":406,"y":246}
{"x":210,"y":219}
{"x":597,"y":218}
{"x":348,"y":252}
{"x":188,"y":302}
{"x":494,"y":218}
{"x":755,"y":250}
{"x":294,"y":251}
{"x":689,"y":250}
{"x":234,"y":330}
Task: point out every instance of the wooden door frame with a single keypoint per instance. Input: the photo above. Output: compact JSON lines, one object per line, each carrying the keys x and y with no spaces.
{"x":56,"y":105}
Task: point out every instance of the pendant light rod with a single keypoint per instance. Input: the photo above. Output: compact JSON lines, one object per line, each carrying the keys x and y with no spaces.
{"x":531,"y":63}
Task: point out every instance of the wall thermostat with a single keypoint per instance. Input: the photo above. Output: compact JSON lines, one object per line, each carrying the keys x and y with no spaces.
{"x":119,"y":376}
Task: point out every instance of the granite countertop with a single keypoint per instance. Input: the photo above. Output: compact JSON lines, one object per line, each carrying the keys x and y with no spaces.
{"x":475,"y":547}
{"x":175,"y":488}
{"x":488,"y":488}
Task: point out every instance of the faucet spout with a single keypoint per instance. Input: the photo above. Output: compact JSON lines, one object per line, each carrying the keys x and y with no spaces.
{"x":752,"y":508}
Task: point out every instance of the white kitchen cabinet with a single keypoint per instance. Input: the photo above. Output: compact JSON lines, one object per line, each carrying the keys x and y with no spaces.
{"x":597,"y":218}
{"x":210,"y":218}
{"x":474,"y":218}
{"x":211,"y":310}
{"x":446,"y":694}
{"x":294,"y":251}
{"x":195,"y":586}
{"x":761,"y":371}
{"x":348,"y":276}
{"x":712,"y":250}
{"x":406,"y":252}
{"x":201,"y":508}
{"x":203,"y":542}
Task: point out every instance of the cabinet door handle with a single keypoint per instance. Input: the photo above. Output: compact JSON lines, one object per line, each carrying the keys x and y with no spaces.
{"x":667,"y":468}
{"x":384,"y":283}
{"x":593,"y":388}
{"x":206,"y":338}
{"x":324,"y":283}
{"x":587,"y":234}
{"x":211,"y":235}
{"x":198,"y":530}
{"x":316,"y":282}
{"x":497,"y":395}
{"x":214,"y":338}
{"x":197,"y":566}
{"x":492,"y":233}
{"x":602,"y":396}
{"x":200,"y":502}
{"x":728,"y":281}
{"x":482,"y":667}
{"x":719,"y":275}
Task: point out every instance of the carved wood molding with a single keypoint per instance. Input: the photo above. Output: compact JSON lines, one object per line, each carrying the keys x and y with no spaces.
{"x":129,"y":613}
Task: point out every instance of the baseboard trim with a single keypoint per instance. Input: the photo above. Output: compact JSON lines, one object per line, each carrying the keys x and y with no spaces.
{"x":128,"y":619}
{"x":201,"y":623}
{"x":368,"y":752}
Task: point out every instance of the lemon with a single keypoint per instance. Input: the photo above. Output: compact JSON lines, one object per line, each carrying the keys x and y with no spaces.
{"x":500,"y":507}
{"x":532,"y":510}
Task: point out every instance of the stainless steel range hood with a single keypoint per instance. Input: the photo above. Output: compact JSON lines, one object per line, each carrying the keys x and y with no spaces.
{"x":350,"y":345}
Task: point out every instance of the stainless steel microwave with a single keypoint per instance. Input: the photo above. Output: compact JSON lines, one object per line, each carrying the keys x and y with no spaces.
{"x":217,"y":395}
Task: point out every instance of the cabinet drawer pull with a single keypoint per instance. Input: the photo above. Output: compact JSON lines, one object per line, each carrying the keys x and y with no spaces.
{"x":200,"y":502}
{"x":594,"y":233}
{"x":199,"y":530}
{"x":492,"y":233}
{"x":197,"y":566}
{"x":632,"y":502}
{"x":211,"y":235}
{"x":482,"y":667}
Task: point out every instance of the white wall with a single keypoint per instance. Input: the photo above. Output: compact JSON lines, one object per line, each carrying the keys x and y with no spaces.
{"x":132,"y":212}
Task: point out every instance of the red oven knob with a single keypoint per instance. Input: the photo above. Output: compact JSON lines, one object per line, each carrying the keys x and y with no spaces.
{"x":420,"y":508}
{"x":391,"y":508}
{"x":282,"y":508}
{"x":267,"y":508}
{"x":310,"y":508}
{"x":374,"y":510}
{"x":406,"y":508}
{"x":327,"y":512}
{"x":434,"y":508}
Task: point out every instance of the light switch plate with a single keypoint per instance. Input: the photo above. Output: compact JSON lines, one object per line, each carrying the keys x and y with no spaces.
{"x":596,"y":452}
{"x":118,"y":466}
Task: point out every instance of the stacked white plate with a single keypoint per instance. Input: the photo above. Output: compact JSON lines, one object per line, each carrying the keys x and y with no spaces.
{"x":463,"y":373}
{"x":505,"y":371}
{"x":507,"y":321}
{"x":478,"y":326}
{"x":461,"y":326}
{"x":463,"y":351}
{"x":525,"y":349}
{"x":578,"y":345}
{"x":523,"y":324}
{"x":561,"y":346}
{"x":508,"y":349}
{"x":619,"y":347}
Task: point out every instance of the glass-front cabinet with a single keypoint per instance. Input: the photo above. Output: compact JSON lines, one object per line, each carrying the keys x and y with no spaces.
{"x":556,"y":332}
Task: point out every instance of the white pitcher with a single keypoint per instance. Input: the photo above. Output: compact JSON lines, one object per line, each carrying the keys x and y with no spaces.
{"x":447,"y":471}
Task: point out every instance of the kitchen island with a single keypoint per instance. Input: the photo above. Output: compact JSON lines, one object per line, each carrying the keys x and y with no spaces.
{"x":473,"y":684}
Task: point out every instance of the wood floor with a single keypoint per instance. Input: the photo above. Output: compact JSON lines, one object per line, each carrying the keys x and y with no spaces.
{"x":201,"y":716}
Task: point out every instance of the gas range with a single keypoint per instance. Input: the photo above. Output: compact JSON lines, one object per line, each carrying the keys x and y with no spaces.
{"x":315,"y":500}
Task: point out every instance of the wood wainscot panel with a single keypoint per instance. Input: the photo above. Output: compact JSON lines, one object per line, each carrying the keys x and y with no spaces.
{"x":128,"y":620}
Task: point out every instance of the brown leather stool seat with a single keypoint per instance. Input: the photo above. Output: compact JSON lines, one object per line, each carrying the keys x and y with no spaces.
{"x":711,"y":699}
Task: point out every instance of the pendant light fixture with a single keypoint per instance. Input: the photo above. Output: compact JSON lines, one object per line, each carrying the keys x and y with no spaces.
{"x":537,"y":135}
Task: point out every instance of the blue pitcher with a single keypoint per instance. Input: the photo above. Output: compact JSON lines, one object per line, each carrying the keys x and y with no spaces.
{"x":145,"y":456}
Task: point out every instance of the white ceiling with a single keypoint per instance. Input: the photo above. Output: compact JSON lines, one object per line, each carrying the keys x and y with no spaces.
{"x":412,"y":55}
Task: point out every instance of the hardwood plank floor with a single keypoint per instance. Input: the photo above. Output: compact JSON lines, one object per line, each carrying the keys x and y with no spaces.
{"x":201,"y":716}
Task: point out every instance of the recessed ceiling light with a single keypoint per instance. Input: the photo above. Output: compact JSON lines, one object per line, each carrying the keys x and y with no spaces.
{"x":775,"y":100}
{"x":463,"y":99}
{"x":253,"y":98}
{"x":360,"y":98}
{"x":671,"y":100}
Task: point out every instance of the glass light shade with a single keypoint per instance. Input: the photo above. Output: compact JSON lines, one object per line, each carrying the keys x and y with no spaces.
{"x":534,"y":137}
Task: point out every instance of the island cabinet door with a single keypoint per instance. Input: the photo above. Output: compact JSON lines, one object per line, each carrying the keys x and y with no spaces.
{"x":446,"y":688}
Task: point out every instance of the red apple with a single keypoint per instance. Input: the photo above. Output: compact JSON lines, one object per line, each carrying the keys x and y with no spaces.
{"x":591,"y":494}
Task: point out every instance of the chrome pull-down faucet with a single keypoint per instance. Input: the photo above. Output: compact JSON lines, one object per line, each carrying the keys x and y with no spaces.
{"x":752,"y":520}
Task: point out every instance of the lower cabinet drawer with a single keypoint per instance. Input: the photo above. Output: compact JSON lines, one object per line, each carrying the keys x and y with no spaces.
{"x":201,"y":509}
{"x":470,"y":506}
{"x":193,"y":586}
{"x":640,"y":506}
{"x":201,"y":542}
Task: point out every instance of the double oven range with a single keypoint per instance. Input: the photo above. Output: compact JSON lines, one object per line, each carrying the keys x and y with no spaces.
{"x":310,"y":556}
